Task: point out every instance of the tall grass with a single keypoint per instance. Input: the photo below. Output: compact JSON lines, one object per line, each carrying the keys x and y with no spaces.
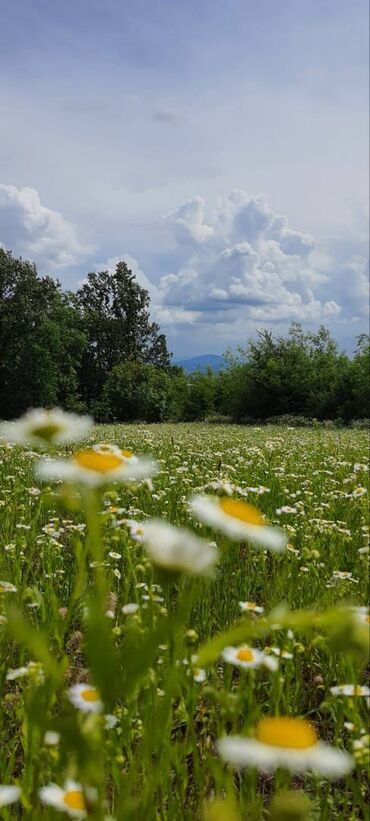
{"x":76,"y":559}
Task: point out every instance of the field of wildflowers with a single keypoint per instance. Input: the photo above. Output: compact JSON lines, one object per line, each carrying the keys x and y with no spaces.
{"x":184,"y":624}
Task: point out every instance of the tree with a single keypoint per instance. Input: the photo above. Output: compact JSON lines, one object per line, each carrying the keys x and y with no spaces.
{"x":41,"y":342}
{"x":25,"y":303}
{"x":134,"y":390}
{"x":115,"y":314}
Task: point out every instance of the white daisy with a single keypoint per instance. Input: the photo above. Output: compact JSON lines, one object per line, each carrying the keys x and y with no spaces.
{"x":8,"y":794}
{"x":350,"y":690}
{"x":85,"y":697}
{"x":238,"y":520}
{"x":288,"y":743}
{"x":7,"y":587}
{"x":70,"y":798}
{"x":46,"y":427}
{"x":51,"y":738}
{"x":130,"y":608}
{"x":250,"y":607}
{"x":248,"y":658}
{"x":94,"y":468}
{"x":177,"y":550}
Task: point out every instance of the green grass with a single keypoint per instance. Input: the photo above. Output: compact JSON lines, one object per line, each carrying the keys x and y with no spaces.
{"x":159,"y":761}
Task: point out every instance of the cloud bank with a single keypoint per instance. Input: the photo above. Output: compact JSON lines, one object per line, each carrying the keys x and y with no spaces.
{"x":34,"y":231}
{"x":242,"y":261}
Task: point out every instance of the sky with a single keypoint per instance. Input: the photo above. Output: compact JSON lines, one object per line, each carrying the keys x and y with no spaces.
{"x":220,"y":147}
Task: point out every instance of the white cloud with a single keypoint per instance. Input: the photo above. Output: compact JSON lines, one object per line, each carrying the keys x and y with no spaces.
{"x":32,"y":230}
{"x":187,"y":222}
{"x":243,"y":262}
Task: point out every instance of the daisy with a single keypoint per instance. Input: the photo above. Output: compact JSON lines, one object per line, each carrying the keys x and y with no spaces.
{"x":350,"y":690}
{"x":177,"y":550}
{"x":8,"y":795}
{"x":248,"y":658}
{"x":85,"y":697}
{"x":7,"y":587}
{"x":130,"y":608}
{"x":288,"y":743}
{"x":250,"y":607}
{"x":69,"y":799}
{"x":94,"y":468}
{"x":238,"y":520}
{"x":46,"y":427}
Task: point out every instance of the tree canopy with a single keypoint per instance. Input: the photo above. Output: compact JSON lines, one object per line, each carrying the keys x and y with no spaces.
{"x":98,"y":350}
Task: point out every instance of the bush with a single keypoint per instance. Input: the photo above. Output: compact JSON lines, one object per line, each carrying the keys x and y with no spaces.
{"x":292,"y":420}
{"x":219,"y":419}
{"x":360,"y":424}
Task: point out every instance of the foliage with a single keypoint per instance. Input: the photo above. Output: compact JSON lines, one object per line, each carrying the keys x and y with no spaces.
{"x":98,"y":350}
{"x":73,"y":558}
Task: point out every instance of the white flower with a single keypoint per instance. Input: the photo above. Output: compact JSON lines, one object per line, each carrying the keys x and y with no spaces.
{"x":16,"y":672}
{"x":110,"y":721}
{"x":178,"y":550}
{"x":51,"y":738}
{"x":46,"y":427}
{"x":94,"y":468}
{"x":238,"y":520}
{"x":8,"y":795}
{"x":350,"y":690}
{"x":288,"y":743}
{"x":7,"y":587}
{"x":130,"y":608}
{"x":248,"y":658}
{"x":362,"y":613}
{"x":85,"y":697}
{"x":69,"y":799}
{"x":250,"y":607}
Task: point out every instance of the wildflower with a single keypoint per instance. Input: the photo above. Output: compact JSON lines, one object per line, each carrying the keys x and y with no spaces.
{"x":285,"y":742}
{"x":350,"y":690}
{"x":362,"y":613}
{"x":69,"y":799}
{"x":9,"y":794}
{"x":238,"y":520}
{"x":7,"y":587}
{"x":250,"y":607}
{"x":177,"y":550}
{"x":46,"y":427}
{"x":51,"y":738}
{"x":130,"y":608}
{"x":94,"y":468}
{"x":248,"y":658}
{"x":86,"y":698}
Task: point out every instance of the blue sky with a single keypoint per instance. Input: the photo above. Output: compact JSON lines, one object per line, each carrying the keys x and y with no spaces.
{"x":220,"y":147}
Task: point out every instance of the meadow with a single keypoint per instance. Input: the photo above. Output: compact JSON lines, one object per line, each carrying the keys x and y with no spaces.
{"x":117,"y":691}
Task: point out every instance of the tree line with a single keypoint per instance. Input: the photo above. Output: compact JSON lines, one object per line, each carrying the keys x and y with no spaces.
{"x":97,"y":350}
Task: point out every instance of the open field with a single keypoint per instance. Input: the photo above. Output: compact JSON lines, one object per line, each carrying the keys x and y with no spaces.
{"x":148,"y":745}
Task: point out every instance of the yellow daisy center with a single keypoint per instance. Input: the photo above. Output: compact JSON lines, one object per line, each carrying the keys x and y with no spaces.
{"x":90,"y":694}
{"x":74,"y":799}
{"x":294,"y":733}
{"x":245,"y":654}
{"x":241,"y":511}
{"x":46,"y":430}
{"x":97,"y":461}
{"x":127,"y":454}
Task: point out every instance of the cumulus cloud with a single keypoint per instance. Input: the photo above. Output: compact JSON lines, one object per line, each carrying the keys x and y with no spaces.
{"x":188,"y":224}
{"x":243,"y":261}
{"x":30,"y":229}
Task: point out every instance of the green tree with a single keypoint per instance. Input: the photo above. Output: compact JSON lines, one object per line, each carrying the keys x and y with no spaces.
{"x":115,"y":313}
{"x":134,"y":390}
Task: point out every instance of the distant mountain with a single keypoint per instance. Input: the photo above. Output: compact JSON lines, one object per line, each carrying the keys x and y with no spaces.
{"x":201,"y":363}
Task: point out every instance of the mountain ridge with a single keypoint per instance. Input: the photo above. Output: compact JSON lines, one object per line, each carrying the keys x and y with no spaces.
{"x":200,"y":363}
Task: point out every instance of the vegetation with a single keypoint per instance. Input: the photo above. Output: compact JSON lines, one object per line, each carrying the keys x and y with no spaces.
{"x":122,"y":665}
{"x":97,"y":350}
